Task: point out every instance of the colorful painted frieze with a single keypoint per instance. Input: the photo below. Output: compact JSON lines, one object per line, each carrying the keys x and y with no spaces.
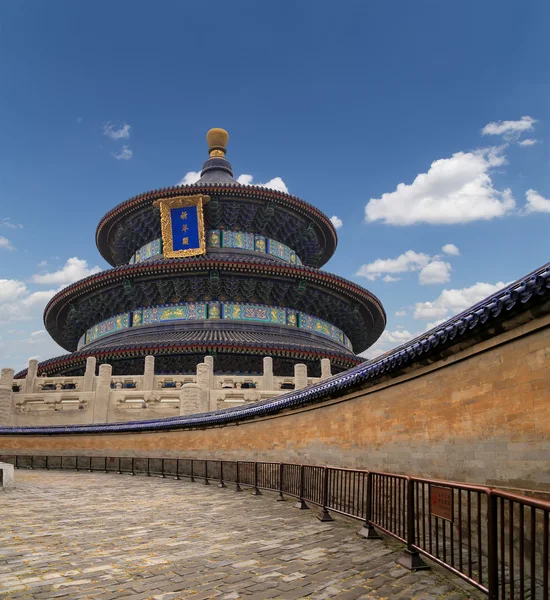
{"x":259,"y":243}
{"x":292,"y":317}
{"x":137,"y":317}
{"x":213,"y":238}
{"x":214,"y":310}
{"x":238,"y":239}
{"x":116,"y":323}
{"x":315,"y":325}
{"x":278,"y":249}
{"x":253,"y":312}
{"x":190,"y":311}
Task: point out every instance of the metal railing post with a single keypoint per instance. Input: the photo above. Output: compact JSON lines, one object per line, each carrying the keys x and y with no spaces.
{"x":192,"y":478}
{"x":90,"y":466}
{"x":105,"y":465}
{"x":368,"y":531}
{"x":177,"y":477}
{"x":61,"y":463}
{"x":222,"y":484}
{"x":162,"y":468}
{"x":281,"y":498}
{"x":133,"y":466}
{"x":120,"y":465}
{"x":256,"y":491}
{"x":325,"y":515}
{"x":301,"y":504}
{"x":206,"y":482}
{"x":47,"y":463}
{"x":76,"y":463}
{"x":32,"y":462}
{"x":148,"y":469}
{"x":492,"y":545}
{"x":16,"y":461}
{"x":237,"y":482}
{"x":410,"y":558}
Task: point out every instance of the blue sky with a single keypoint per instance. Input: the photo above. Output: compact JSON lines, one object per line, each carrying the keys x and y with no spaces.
{"x":374,"y":111}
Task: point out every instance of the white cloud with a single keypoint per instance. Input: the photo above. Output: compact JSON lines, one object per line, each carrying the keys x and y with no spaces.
{"x":275,"y":184}
{"x":400,"y":313}
{"x":18,"y":303}
{"x":437,"y":271}
{"x":536,"y":202}
{"x":117,"y":133}
{"x":42,"y":263}
{"x":5,"y":244}
{"x":528,"y":142}
{"x":189,"y":178}
{"x":6,"y":222}
{"x":454,"y":190}
{"x":125,"y":153}
{"x":245,"y":179}
{"x":39,"y":332}
{"x":511,"y":130}
{"x":451,"y":249}
{"x":390,"y":279}
{"x":73,"y":270}
{"x":453,"y":301}
{"x":408,"y":261}
{"x":387,"y":341}
{"x":336,"y":221}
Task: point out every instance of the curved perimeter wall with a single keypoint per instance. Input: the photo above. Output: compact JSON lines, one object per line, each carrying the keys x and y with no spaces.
{"x":479,"y":413}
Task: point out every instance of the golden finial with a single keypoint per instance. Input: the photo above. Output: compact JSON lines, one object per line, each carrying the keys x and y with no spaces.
{"x":217,"y":141}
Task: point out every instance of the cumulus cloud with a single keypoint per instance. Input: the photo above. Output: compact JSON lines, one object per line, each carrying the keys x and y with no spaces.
{"x":453,"y":301}
{"x":451,"y":249}
{"x":536,"y":202}
{"x":431,"y":269}
{"x":18,"y":303}
{"x":408,"y":261}
{"x":454,"y":190}
{"x":117,"y":133}
{"x":400,"y":313}
{"x":274,"y":184}
{"x":6,"y":222}
{"x":528,"y":142}
{"x":336,"y":221}
{"x":387,"y":341}
{"x":437,"y":271}
{"x":511,"y":130}
{"x":125,"y":153}
{"x":5,"y":244}
{"x":73,"y":270}
{"x":189,"y":178}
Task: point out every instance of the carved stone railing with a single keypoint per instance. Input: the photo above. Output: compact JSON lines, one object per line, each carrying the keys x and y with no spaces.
{"x":105,"y":398}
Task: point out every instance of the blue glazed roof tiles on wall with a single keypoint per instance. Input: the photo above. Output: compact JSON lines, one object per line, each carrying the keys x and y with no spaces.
{"x":535,"y":284}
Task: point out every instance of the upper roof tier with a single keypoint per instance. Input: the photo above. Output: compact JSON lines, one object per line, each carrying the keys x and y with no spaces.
{"x":233,"y":206}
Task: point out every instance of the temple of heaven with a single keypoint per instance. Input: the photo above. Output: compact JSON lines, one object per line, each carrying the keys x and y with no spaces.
{"x":213,"y":268}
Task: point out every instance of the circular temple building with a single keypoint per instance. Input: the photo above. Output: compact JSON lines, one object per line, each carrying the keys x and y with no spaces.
{"x":213,"y":268}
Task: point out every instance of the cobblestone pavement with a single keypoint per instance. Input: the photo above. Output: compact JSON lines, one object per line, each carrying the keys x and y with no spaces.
{"x":102,"y":536}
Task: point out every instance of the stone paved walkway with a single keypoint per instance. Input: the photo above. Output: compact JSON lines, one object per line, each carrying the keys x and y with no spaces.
{"x":102,"y":536}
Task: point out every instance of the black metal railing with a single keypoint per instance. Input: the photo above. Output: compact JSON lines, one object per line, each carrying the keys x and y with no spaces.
{"x":496,"y":541}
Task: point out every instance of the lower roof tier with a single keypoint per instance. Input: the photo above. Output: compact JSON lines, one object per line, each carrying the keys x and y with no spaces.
{"x":237,"y":351}
{"x":347,"y":306}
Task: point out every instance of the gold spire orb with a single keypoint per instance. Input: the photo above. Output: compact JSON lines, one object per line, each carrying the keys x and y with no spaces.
{"x":217,"y":141}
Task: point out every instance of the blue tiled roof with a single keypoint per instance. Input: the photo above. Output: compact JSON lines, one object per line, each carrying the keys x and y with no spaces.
{"x":525,"y":291}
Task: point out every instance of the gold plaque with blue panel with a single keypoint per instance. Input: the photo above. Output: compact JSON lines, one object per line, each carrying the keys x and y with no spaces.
{"x":182,"y":225}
